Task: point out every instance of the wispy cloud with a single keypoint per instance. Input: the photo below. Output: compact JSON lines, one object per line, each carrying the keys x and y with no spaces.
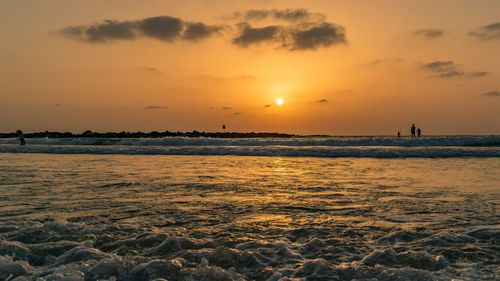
{"x":487,"y":32}
{"x":390,"y":60}
{"x":430,"y":33}
{"x":476,"y":74}
{"x":443,"y":69}
{"x":267,"y":105}
{"x":226,"y":108}
{"x":322,"y":101}
{"x":155,"y":107}
{"x":449,"y":69}
{"x":492,"y":94}
{"x":290,"y":15}
{"x":237,"y":113}
{"x":150,"y":70}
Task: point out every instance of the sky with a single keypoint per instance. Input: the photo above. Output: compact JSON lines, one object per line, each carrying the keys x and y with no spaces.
{"x":341,"y":67}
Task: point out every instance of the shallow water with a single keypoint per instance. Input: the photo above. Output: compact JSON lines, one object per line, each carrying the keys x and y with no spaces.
{"x":132,"y":217}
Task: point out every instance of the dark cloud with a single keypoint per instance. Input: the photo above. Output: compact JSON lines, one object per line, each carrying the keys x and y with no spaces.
{"x":304,"y":31}
{"x":492,"y":94}
{"x":155,"y":107}
{"x":322,"y":101}
{"x":249,"y":35}
{"x":196,"y":31}
{"x":323,"y":35}
{"x":290,"y":15}
{"x":443,"y":69}
{"x":429,"y":33}
{"x":226,"y":108}
{"x":163,"y":28}
{"x":102,"y":32}
{"x":301,"y":37}
{"x":487,"y":32}
{"x":477,"y":74}
{"x":267,"y":105}
{"x":237,"y":113}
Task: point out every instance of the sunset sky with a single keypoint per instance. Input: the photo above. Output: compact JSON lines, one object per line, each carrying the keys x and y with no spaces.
{"x":341,"y":67}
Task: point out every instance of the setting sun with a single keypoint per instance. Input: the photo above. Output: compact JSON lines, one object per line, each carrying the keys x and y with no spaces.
{"x":279,"y":101}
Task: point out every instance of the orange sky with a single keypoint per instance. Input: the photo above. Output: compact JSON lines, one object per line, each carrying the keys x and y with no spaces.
{"x":342,"y":67}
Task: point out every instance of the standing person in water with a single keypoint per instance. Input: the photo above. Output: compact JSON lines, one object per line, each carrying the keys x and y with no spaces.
{"x":413,"y":131}
{"x":419,"y":132}
{"x":399,"y":134}
{"x":20,"y":137}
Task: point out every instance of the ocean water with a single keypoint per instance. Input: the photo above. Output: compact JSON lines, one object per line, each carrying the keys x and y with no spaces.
{"x":393,"y":210}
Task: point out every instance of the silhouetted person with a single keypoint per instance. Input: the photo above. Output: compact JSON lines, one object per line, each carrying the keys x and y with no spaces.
{"x":399,"y":134}
{"x":224,"y":128}
{"x":419,"y":132}
{"x":413,"y":131}
{"x":20,"y":137}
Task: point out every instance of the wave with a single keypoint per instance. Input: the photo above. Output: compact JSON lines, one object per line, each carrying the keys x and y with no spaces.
{"x":472,"y":141}
{"x":291,"y":151}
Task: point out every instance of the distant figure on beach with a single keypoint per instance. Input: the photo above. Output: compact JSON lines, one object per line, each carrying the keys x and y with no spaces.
{"x":413,"y":131}
{"x":419,"y":132}
{"x":20,"y":137}
{"x":224,"y":128}
{"x":399,"y":134}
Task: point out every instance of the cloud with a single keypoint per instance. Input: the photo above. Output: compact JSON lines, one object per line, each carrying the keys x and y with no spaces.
{"x":390,"y":60}
{"x":237,"y":113}
{"x":449,"y":69}
{"x":477,"y":74}
{"x":249,"y":35}
{"x":151,"y":70}
{"x":492,"y":94}
{"x":267,"y":105}
{"x":290,"y":15}
{"x":429,"y":33}
{"x":155,"y":107}
{"x":322,"y":101}
{"x":299,"y":37}
{"x":323,"y":35}
{"x":226,"y":108}
{"x":164,"y":28}
{"x":302,"y":30}
{"x":487,"y":32}
{"x":443,"y":69}
{"x":196,"y":31}
{"x":105,"y":31}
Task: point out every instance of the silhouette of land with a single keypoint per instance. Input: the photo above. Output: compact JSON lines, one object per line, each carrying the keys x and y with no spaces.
{"x":153,"y":134}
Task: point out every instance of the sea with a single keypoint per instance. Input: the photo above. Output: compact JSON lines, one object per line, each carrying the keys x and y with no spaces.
{"x":301,"y":208}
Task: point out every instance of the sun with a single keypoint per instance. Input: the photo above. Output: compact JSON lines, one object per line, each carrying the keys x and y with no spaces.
{"x":279,"y":101}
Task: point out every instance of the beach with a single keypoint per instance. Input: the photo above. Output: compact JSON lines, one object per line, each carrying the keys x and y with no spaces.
{"x":80,"y":213}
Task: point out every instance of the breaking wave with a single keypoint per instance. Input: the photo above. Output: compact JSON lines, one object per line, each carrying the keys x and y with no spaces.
{"x":474,"y":141}
{"x":377,"y":147}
